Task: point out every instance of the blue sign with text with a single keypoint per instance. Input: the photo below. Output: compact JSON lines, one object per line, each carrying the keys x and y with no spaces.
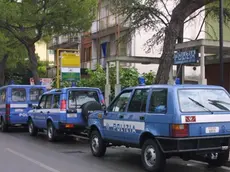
{"x":190,"y":56}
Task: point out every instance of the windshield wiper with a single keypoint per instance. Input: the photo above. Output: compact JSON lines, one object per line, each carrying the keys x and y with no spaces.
{"x":199,"y":104}
{"x":219,"y":103}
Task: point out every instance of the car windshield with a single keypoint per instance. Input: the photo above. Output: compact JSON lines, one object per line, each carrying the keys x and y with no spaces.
{"x":78,"y":98}
{"x":199,"y":100}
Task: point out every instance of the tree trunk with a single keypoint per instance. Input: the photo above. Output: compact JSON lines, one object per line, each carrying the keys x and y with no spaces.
{"x":2,"y":69}
{"x":171,"y":34}
{"x":183,"y":10}
{"x":33,"y":63}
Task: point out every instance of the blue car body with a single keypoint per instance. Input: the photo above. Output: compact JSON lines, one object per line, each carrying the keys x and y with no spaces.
{"x":181,"y":119}
{"x":62,"y":108}
{"x":16,"y":101}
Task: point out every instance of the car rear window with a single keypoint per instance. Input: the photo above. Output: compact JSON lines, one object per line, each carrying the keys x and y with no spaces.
{"x":35,"y":94}
{"x":77,"y":98}
{"x":18,"y":94}
{"x":203,"y":100}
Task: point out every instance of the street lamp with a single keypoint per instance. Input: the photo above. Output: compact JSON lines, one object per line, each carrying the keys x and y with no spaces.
{"x":221,"y":14}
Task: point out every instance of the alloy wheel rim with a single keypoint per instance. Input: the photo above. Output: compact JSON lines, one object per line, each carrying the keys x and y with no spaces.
{"x":50,"y":132}
{"x":95,"y":144}
{"x":30,"y":127}
{"x":150,"y":156}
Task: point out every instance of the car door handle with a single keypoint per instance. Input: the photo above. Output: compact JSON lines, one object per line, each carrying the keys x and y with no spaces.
{"x":48,"y":112}
{"x":41,"y":112}
{"x":142,"y":118}
{"x":121,"y":116}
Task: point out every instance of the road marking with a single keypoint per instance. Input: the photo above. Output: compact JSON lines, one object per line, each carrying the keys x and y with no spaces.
{"x":48,"y":168}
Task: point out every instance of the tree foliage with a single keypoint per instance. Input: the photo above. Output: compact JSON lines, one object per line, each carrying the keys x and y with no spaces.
{"x":154,"y":15}
{"x":128,"y":77}
{"x":31,"y":20}
{"x":11,"y":52}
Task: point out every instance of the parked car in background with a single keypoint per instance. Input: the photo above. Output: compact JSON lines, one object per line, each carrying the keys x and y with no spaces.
{"x":15,"y":102}
{"x":64,"y":111}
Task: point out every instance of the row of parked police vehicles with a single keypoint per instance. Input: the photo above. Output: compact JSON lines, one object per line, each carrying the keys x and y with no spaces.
{"x":188,"y":121}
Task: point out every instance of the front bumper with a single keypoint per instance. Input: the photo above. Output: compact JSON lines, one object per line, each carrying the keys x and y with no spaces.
{"x":194,"y":144}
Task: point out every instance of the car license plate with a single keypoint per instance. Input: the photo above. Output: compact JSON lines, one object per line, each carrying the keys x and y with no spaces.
{"x":71,"y":115}
{"x":212,"y":130}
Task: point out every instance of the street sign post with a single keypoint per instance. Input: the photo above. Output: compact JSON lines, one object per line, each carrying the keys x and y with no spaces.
{"x":70,"y":67}
{"x":71,"y":59}
{"x":185,"y":57}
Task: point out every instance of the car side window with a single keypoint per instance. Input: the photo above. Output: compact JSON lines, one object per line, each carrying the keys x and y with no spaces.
{"x":158,"y":101}
{"x":121,"y":102}
{"x":49,"y":101}
{"x":56,"y":101}
{"x":42,"y":102}
{"x":138,"y":101}
{"x":3,"y":96}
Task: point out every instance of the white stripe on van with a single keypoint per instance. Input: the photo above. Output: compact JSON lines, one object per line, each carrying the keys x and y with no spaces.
{"x":18,"y":105}
{"x":205,"y":118}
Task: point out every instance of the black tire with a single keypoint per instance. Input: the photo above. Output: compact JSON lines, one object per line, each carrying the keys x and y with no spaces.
{"x":51,"y":132}
{"x":88,"y":107}
{"x":221,"y":160}
{"x":33,"y":131}
{"x":100,"y":150}
{"x":4,"y":126}
{"x":158,"y":162}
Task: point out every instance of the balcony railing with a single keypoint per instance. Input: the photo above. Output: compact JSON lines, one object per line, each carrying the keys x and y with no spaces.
{"x":108,"y":22}
{"x":64,"y":40}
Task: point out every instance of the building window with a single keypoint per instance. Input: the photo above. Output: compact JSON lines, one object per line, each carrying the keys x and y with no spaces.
{"x":105,"y":50}
{"x":87,"y":54}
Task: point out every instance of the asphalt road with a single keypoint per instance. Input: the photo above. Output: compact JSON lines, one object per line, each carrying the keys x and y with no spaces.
{"x":21,"y":153}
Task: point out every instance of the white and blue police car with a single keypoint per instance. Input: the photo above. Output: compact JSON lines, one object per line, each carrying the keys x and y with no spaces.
{"x":165,"y":121}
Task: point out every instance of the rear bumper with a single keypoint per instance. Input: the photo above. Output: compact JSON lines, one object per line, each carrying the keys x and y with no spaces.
{"x":194,"y":144}
{"x":71,"y":128}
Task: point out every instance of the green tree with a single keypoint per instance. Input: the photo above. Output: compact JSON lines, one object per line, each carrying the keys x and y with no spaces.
{"x":31,"y":20}
{"x":11,"y":52}
{"x":154,"y":15}
{"x":149,"y":77}
{"x":22,"y":74}
{"x":128,"y":77}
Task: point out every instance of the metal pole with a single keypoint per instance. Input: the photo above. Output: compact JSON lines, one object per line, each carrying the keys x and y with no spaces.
{"x":58,"y":69}
{"x":221,"y":43}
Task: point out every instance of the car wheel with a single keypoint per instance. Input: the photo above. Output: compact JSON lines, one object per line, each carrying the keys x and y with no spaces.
{"x":32,"y":129}
{"x":4,"y":126}
{"x":97,"y":144}
{"x":51,"y":132}
{"x":218,"y":159}
{"x":152,"y":157}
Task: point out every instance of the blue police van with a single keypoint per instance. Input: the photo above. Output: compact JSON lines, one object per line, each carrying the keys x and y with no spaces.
{"x":64,"y":111}
{"x":188,"y":121}
{"x":15,"y":102}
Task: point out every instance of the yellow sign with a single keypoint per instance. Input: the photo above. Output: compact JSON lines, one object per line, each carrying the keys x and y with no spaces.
{"x":70,"y":60}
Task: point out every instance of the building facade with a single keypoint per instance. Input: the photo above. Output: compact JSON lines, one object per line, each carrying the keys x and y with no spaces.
{"x":107,"y":27}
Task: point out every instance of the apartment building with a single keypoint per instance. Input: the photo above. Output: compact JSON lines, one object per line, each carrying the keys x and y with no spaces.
{"x":100,"y":43}
{"x":69,"y":41}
